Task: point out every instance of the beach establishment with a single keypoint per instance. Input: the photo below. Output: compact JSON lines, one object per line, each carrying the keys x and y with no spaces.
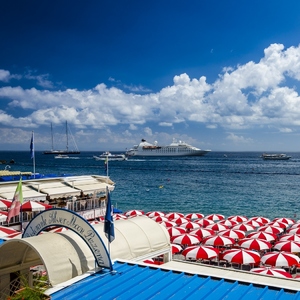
{"x":80,"y":264}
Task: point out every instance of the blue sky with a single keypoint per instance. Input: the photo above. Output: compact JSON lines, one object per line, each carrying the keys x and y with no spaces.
{"x":220,"y":75}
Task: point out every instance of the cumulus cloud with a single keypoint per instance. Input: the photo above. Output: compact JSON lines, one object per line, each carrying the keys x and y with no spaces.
{"x":253,"y":95}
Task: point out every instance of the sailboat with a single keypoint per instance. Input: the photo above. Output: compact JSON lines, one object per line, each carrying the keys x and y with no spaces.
{"x":66,"y":151}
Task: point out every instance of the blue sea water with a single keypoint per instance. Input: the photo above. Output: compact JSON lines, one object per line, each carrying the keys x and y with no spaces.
{"x":241,"y":183}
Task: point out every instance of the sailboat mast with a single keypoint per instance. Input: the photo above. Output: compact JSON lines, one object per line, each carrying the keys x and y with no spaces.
{"x":67,"y":135}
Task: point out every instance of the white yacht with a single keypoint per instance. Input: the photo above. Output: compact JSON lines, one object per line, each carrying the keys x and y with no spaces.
{"x":110,"y":157}
{"x":180,"y":148}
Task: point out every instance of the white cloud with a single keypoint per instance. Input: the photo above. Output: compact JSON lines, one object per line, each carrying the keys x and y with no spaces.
{"x":238,"y":139}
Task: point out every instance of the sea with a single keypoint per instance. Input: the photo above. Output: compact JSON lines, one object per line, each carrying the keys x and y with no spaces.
{"x":227,"y":183}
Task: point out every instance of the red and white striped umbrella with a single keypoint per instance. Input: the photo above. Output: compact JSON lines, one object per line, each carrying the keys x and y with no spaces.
{"x":176,"y":248}
{"x":215,"y":217}
{"x":234,"y":234}
{"x":15,"y":235}
{"x":174,"y":215}
{"x":59,"y":229}
{"x":218,"y":240}
{"x":149,"y":261}
{"x":239,"y":219}
{"x":241,"y":256}
{"x":5,"y":204}
{"x":272,"y":272}
{"x":296,"y":225}
{"x":5,"y":231}
{"x":160,"y":219}
{"x":290,"y":237}
{"x":152,"y":214}
{"x":270,"y":237}
{"x":168,"y":224}
{"x":116,"y":217}
{"x":95,"y":222}
{"x":271,"y":229}
{"x":255,"y":244}
{"x":34,"y":206}
{"x":289,"y":246}
{"x":204,"y":222}
{"x":228,"y":223}
{"x":190,"y":225}
{"x":180,"y":220}
{"x":280,"y":259}
{"x":186,"y":239}
{"x":176,"y":231}
{"x":3,"y":216}
{"x":134,"y":213}
{"x":217,"y":227}
{"x":200,"y":252}
{"x":278,"y":224}
{"x":260,"y":219}
{"x":294,"y":230}
{"x":194,"y":216}
{"x":243,"y":227}
{"x":203,"y":232}
{"x":288,"y":221}
{"x":254,"y":223}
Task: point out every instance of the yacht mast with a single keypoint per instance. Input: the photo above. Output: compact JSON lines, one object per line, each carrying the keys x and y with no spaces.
{"x":67,"y":135}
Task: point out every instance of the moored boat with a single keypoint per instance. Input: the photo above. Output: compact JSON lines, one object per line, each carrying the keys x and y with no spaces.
{"x":110,"y":157}
{"x":275,"y":156}
{"x":65,"y":156}
{"x":146,"y":149}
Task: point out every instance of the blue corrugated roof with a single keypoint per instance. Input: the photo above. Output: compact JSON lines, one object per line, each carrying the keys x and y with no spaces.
{"x":132,"y":281}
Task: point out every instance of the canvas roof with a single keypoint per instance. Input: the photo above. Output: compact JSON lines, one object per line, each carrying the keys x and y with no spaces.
{"x":65,"y":255}
{"x":7,"y":191}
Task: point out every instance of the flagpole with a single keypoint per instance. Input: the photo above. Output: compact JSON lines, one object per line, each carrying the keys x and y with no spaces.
{"x":32,"y":153}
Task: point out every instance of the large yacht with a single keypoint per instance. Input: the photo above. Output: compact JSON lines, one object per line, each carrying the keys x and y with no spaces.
{"x":174,"y":149}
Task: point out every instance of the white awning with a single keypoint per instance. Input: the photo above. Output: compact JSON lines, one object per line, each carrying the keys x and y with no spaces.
{"x":9,"y":190}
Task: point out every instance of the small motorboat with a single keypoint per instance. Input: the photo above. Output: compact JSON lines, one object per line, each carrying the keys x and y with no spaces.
{"x":110,"y":157}
{"x":62,"y":156}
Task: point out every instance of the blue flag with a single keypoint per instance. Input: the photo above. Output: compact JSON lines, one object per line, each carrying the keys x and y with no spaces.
{"x":32,"y":146}
{"x":109,"y":220}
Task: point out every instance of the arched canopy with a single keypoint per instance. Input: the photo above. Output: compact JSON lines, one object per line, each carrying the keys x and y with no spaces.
{"x":65,"y":255}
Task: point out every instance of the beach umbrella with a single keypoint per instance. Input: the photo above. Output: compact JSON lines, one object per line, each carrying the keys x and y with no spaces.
{"x":185,"y":239}
{"x":34,"y":206}
{"x":296,"y":225}
{"x":134,"y":213}
{"x":176,"y":231}
{"x":194,"y":216}
{"x":200,"y":252}
{"x":3,"y":216}
{"x":180,"y":220}
{"x":15,"y":235}
{"x":255,"y":244}
{"x":174,"y":215}
{"x":176,"y":248}
{"x":270,"y":237}
{"x":168,"y":224}
{"x":204,"y":222}
{"x":239,"y":219}
{"x":241,"y":256}
{"x":5,"y":231}
{"x":272,"y":272}
{"x":287,"y":221}
{"x":116,"y":217}
{"x":5,"y":204}
{"x":149,"y":261}
{"x":271,"y":229}
{"x":215,"y":217}
{"x":294,"y":230}
{"x":243,"y":227}
{"x":278,"y":224}
{"x":280,"y":259}
{"x":217,"y":227}
{"x":190,"y":225}
{"x":290,"y":237}
{"x":152,"y":214}
{"x":203,"y":232}
{"x":228,"y":223}
{"x":160,"y":219}
{"x":254,"y":223}
{"x":235,"y":234}
{"x":94,"y":222}
{"x":218,"y":240}
{"x":289,"y":246}
{"x":260,"y":219}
